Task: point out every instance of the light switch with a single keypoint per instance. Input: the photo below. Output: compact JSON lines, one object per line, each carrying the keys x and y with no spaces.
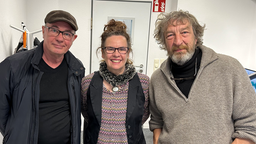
{"x":156,"y":64}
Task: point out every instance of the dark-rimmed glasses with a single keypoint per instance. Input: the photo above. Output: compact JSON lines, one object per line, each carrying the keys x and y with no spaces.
{"x":121,"y":50}
{"x":52,"y":31}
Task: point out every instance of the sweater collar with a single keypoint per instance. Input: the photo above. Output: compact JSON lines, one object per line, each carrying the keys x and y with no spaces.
{"x":208,"y":56}
{"x":188,"y":69}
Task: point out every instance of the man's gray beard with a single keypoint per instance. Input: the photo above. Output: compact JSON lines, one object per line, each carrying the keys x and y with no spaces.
{"x":183,"y":59}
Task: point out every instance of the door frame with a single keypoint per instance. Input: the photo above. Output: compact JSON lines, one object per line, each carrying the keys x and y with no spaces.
{"x":148,"y":37}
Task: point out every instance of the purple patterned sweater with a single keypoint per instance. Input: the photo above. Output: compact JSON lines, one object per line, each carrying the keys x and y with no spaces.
{"x":114,"y":107}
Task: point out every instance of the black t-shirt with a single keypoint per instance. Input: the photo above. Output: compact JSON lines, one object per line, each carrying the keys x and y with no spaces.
{"x":54,"y":110}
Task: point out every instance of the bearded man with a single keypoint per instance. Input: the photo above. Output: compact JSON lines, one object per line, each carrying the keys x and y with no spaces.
{"x":198,"y":96}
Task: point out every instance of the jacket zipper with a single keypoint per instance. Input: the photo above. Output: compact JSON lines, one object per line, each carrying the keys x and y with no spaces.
{"x":34,"y":109}
{"x":72,"y":88}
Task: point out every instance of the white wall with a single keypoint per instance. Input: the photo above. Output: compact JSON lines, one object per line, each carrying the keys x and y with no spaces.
{"x":11,"y":13}
{"x":230,"y":26}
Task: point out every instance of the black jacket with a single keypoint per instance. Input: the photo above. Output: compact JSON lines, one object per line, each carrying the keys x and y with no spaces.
{"x":20,"y":91}
{"x":135,"y":111}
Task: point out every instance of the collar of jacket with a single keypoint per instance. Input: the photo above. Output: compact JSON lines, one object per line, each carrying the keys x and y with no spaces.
{"x":73,"y":63}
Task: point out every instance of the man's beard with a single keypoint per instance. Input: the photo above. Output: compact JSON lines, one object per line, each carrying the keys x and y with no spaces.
{"x":181,"y":58}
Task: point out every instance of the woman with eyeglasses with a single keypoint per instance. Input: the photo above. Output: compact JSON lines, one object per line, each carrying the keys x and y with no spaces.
{"x":115,"y":98}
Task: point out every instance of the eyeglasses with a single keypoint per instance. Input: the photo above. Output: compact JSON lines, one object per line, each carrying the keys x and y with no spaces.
{"x":55,"y":32}
{"x":121,"y":50}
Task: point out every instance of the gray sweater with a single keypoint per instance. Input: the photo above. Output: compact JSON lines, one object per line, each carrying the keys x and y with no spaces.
{"x":220,"y":107}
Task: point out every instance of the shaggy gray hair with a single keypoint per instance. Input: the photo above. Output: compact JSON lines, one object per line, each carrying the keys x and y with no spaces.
{"x":180,"y":17}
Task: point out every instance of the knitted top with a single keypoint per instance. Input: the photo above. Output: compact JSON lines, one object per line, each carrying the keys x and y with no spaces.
{"x":114,"y":107}
{"x":220,"y":107}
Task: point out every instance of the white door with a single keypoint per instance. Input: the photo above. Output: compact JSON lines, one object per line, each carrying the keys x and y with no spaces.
{"x":136,"y":15}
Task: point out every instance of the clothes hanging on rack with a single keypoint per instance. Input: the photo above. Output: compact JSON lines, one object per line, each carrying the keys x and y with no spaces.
{"x":36,"y":42}
{"x":20,"y":47}
{"x":25,"y":40}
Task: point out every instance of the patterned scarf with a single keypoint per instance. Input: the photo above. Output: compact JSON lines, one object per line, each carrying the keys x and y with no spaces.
{"x":117,"y":80}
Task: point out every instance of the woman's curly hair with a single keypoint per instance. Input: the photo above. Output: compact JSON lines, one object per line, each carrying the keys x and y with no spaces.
{"x":117,"y":28}
{"x":166,"y":19}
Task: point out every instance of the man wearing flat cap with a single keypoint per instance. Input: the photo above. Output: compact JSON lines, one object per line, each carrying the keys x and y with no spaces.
{"x":40,"y":88}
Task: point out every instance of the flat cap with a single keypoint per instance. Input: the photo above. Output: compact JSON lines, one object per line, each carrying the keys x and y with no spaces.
{"x":60,"y":15}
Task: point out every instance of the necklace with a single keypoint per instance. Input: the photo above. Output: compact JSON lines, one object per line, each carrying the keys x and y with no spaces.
{"x":187,"y":78}
{"x":115,"y":89}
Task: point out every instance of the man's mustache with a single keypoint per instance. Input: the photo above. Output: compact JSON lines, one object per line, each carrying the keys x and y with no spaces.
{"x":174,"y":48}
